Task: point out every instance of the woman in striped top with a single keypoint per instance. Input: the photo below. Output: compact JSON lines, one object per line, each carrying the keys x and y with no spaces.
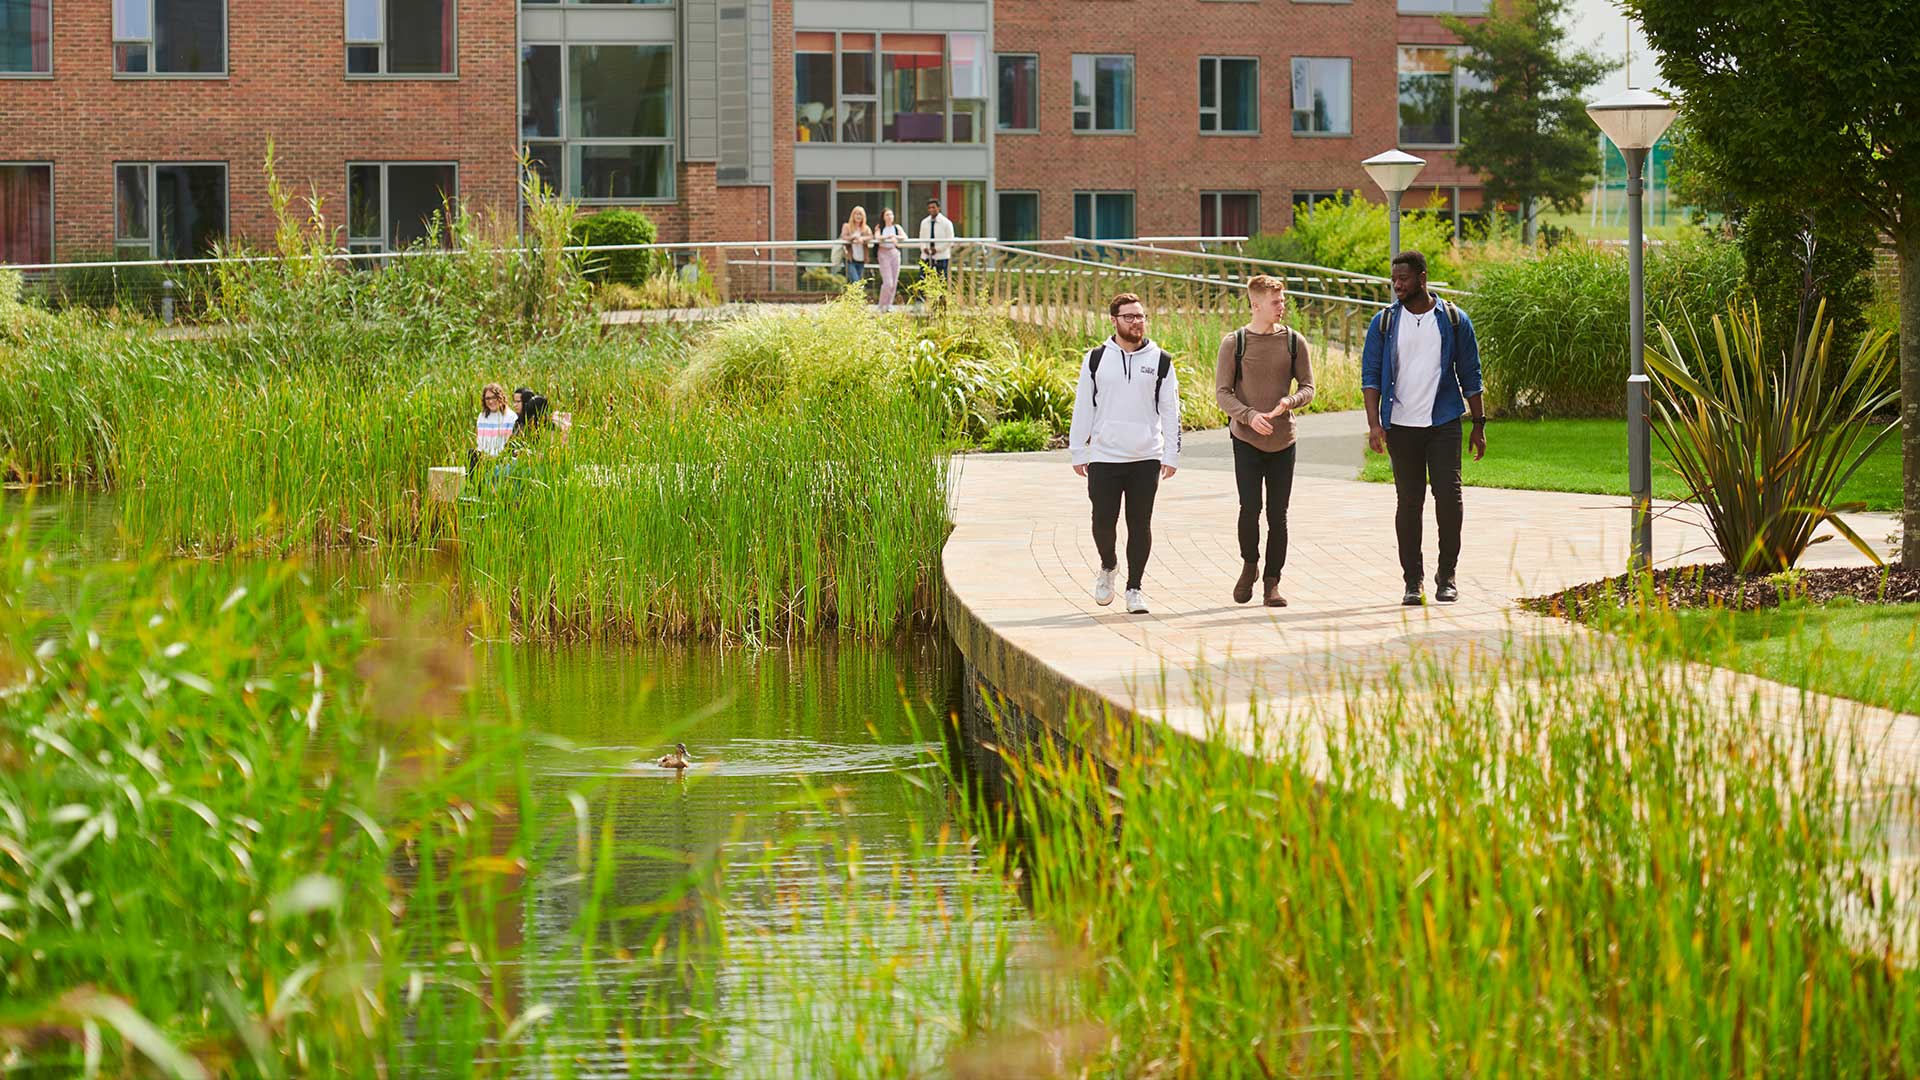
{"x":495,"y":423}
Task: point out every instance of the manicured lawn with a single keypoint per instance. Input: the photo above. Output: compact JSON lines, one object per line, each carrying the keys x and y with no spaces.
{"x":1866,"y":652}
{"x":1591,"y":456}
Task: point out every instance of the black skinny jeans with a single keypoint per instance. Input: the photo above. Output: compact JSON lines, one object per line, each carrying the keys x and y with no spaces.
{"x":1423,"y":457}
{"x":1137,"y":482}
{"x":1253,"y":470}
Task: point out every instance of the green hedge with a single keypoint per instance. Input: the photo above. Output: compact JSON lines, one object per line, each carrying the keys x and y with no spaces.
{"x":612,"y":227}
{"x":1553,"y":329}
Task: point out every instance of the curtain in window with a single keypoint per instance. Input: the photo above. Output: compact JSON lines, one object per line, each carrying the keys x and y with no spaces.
{"x":26,"y":214}
{"x":1113,"y":217}
{"x":1236,"y":216}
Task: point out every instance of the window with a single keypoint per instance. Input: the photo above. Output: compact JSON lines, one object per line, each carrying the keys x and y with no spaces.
{"x":26,"y":213}
{"x":168,"y":211}
{"x":597,"y":120}
{"x":1322,"y":96}
{"x":1102,"y":93}
{"x":1443,"y":7}
{"x":400,"y":37}
{"x":170,"y":37}
{"x":1019,"y":216}
{"x":820,"y":206}
{"x":1229,"y":94}
{"x":892,"y":88}
{"x":1304,"y":202}
{"x":580,"y":3}
{"x":25,"y":37}
{"x":391,"y":207}
{"x":1229,"y":213}
{"x":1103,"y":215}
{"x":1431,"y":81}
{"x":1020,"y":93}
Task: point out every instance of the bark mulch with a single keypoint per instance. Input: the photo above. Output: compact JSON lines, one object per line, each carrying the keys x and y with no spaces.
{"x":1718,"y":586}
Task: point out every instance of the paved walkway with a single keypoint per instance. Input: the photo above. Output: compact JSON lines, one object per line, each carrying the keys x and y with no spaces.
{"x":1020,"y":563}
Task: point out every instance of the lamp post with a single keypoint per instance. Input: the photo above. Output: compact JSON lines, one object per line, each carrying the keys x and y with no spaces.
{"x":1394,"y":171}
{"x":1635,"y":120}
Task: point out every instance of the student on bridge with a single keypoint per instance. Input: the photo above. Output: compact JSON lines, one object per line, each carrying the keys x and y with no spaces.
{"x":1125,"y":440}
{"x":1263,"y":376}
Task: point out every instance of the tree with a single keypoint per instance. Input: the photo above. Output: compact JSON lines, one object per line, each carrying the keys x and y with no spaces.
{"x":1813,"y":103}
{"x":1526,"y":128}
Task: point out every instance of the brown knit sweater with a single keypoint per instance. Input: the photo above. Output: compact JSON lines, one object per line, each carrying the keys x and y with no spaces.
{"x":1264,"y":379}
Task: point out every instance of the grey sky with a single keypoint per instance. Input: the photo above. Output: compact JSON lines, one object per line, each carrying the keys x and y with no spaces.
{"x":1600,"y":23}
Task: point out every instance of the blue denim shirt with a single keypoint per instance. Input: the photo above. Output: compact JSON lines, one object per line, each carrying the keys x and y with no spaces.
{"x":1459,"y":364}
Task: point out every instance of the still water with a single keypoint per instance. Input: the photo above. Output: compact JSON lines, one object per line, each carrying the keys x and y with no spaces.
{"x":822,"y":778}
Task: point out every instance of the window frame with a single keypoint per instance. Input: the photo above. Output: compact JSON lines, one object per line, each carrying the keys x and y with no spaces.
{"x":1093,"y":208}
{"x":566,"y":142}
{"x":383,"y":75}
{"x":153,"y":204}
{"x":1218,"y":86}
{"x":1093,"y":108}
{"x":999,"y":226}
{"x":840,"y":97}
{"x":360,"y":244}
{"x":226,"y":51}
{"x":1293,"y":107}
{"x":53,"y":195}
{"x":1036,"y":96}
{"x":1454,"y":74}
{"x":47,"y":74}
{"x":1216,"y":196}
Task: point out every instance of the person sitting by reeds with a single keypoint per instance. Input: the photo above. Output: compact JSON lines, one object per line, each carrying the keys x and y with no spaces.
{"x":495,"y":425}
{"x":533,"y":418}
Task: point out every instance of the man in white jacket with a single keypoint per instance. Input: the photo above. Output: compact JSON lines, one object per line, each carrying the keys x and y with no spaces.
{"x":936,"y":238}
{"x":1125,"y":440}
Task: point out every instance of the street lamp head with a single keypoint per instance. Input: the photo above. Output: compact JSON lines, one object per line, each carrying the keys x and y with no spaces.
{"x":1633,"y":119}
{"x":1393,"y":170}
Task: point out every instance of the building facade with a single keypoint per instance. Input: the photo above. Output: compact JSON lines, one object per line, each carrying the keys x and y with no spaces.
{"x":141,"y":127}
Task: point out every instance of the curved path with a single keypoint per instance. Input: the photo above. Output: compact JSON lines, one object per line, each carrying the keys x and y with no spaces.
{"x":1019,"y":567}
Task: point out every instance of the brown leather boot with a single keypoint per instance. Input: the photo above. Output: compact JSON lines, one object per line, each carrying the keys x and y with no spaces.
{"x":1274,"y":599}
{"x":1243,"y":589}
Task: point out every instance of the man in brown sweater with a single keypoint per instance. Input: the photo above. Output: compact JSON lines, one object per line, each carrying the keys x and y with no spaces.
{"x":1262,"y":378}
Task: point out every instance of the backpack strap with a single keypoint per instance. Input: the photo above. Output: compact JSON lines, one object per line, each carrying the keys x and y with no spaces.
{"x":1166,"y":365}
{"x":1239,"y":353}
{"x":1093,"y":370}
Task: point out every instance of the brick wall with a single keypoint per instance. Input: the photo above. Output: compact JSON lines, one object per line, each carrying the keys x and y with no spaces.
{"x":1168,"y":162}
{"x":286,"y":81}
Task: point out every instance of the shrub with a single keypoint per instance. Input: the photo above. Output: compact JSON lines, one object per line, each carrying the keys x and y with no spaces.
{"x":1764,"y":447}
{"x":100,"y":286}
{"x":1017,"y":436}
{"x":1553,"y":328}
{"x":614,"y":227}
{"x":1783,"y":248}
{"x":1351,"y":234}
{"x":1038,"y":387}
{"x":17,"y":315}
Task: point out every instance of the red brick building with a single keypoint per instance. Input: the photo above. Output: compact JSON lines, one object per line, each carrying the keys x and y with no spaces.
{"x":141,"y":126}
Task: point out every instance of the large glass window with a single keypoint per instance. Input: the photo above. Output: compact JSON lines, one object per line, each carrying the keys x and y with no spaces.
{"x":813,"y":96}
{"x":170,"y":37}
{"x":1019,"y":93}
{"x":392,"y":206}
{"x":820,"y":206}
{"x":913,"y":81}
{"x":168,"y":211}
{"x":599,"y":126}
{"x":1322,"y":96}
{"x":859,"y":88}
{"x":400,"y":37}
{"x":1019,"y":216}
{"x":968,"y":113}
{"x":1102,"y":93}
{"x":1229,"y":94}
{"x":25,"y":37}
{"x":1103,"y":215}
{"x":1229,"y":213}
{"x":1430,"y":85}
{"x":26,"y":213}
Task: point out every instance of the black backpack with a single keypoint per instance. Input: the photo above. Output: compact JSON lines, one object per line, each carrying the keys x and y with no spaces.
{"x":1240,"y":352}
{"x":1093,"y":368}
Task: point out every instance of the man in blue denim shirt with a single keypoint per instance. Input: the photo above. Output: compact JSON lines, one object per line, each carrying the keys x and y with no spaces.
{"x":1420,"y":374}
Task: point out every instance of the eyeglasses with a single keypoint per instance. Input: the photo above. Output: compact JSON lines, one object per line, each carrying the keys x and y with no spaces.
{"x":1131,"y":318}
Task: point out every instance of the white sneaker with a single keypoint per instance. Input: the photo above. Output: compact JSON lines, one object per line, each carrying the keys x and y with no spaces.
{"x":1136,"y":602}
{"x":1103,"y":588}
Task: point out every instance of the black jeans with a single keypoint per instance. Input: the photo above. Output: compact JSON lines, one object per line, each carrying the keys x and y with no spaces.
{"x":1424,"y":457}
{"x":1254,"y":469}
{"x":1107,"y":483}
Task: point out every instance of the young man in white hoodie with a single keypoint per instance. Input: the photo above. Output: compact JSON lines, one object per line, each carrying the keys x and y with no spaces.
{"x":1125,"y":440}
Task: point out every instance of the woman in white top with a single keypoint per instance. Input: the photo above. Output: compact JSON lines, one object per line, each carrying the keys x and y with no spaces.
{"x":495,"y":424}
{"x":856,"y":235}
{"x":887,"y":242}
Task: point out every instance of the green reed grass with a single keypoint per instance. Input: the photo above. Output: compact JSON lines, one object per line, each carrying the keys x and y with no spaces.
{"x":240,"y":834}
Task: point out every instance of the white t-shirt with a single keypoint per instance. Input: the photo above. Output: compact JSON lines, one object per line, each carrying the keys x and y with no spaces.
{"x":1416,"y":380}
{"x":494,"y":428}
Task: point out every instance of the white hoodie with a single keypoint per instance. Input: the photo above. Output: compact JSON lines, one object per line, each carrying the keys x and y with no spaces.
{"x":1127,"y":424}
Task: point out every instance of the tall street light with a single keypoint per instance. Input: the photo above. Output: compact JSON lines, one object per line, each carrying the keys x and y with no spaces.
{"x":1394,"y":171}
{"x":1635,"y":120}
